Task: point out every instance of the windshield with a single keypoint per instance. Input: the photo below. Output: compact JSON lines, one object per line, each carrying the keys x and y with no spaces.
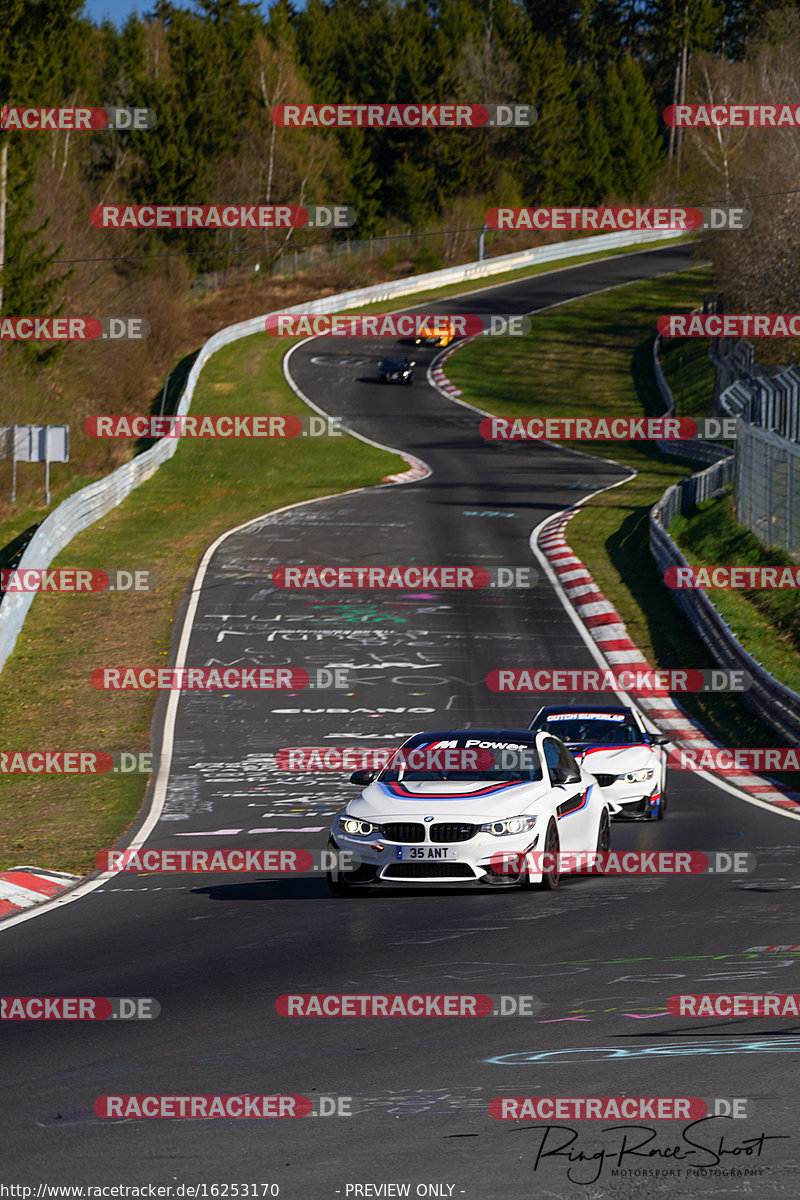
{"x":498,"y":763}
{"x":597,"y":729}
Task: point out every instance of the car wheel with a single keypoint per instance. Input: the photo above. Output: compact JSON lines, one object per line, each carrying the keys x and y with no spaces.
{"x":337,"y":886}
{"x":662,"y":804}
{"x":604,"y":834}
{"x":333,"y":876}
{"x":552,"y":845}
{"x":603,"y":839}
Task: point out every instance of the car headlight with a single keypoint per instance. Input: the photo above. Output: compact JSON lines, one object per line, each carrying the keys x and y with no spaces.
{"x":355,"y":828}
{"x":637,"y":776}
{"x":509,"y":826}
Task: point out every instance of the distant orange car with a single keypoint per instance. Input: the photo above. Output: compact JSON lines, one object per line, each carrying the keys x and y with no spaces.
{"x":431,"y":333}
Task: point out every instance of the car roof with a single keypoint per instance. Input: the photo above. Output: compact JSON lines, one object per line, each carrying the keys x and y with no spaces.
{"x":596,"y":709}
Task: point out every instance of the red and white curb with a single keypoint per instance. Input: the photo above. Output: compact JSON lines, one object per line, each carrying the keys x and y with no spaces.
{"x":436,"y":372}
{"x":416,"y":470}
{"x":607,"y":629}
{"x":22,"y":887}
{"x":441,"y":380}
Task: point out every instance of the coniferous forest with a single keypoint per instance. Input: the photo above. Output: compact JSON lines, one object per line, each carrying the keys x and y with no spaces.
{"x":599,"y":72}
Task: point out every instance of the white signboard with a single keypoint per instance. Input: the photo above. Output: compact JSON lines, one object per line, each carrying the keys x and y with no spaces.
{"x":36,"y":443}
{"x":41,"y":443}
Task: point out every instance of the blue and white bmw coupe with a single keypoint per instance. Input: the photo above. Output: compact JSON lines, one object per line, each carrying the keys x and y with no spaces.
{"x":429,"y":826}
{"x":611,"y":741}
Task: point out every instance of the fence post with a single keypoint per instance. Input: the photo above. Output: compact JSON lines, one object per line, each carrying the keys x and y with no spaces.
{"x":482,"y":244}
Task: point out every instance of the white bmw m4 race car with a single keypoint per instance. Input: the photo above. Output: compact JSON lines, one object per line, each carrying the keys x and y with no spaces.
{"x":428,"y":825}
{"x":626,"y":759}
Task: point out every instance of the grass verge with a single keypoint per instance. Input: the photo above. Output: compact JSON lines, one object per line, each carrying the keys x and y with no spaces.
{"x":47,"y":700}
{"x":765,"y":622}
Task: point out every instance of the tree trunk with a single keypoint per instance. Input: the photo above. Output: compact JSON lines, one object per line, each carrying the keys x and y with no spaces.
{"x":684,"y":71}
{"x":3,"y":203}
{"x":675,"y":95}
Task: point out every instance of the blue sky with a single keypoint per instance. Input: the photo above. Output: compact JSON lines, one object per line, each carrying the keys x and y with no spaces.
{"x":119,"y":10}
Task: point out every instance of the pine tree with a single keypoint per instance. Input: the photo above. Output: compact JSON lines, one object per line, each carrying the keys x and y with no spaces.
{"x":363,"y":187}
{"x":633,"y":130}
{"x":594,"y":33}
{"x":40,"y":58}
{"x":281,"y":26}
{"x":596,"y":178}
{"x":553,"y":164}
{"x":316,"y":38}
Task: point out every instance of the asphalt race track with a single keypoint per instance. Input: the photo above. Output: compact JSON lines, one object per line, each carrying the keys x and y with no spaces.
{"x":601,"y":954}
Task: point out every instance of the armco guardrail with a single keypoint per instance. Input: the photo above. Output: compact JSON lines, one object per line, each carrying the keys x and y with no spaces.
{"x":92,"y":502}
{"x":733,"y":359}
{"x":771,"y":403}
{"x":770,"y":699}
{"x":694,"y":450}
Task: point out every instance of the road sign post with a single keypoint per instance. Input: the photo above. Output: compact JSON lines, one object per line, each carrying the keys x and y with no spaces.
{"x":38,"y":443}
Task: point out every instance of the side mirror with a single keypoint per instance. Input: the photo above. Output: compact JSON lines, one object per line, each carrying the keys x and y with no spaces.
{"x":362,"y":778}
{"x":659,"y":739}
{"x":563,"y":775}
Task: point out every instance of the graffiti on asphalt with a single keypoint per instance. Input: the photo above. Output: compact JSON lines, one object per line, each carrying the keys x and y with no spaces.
{"x":766,"y":1045}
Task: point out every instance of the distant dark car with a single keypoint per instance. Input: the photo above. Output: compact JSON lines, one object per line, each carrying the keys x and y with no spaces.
{"x":396,"y":370}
